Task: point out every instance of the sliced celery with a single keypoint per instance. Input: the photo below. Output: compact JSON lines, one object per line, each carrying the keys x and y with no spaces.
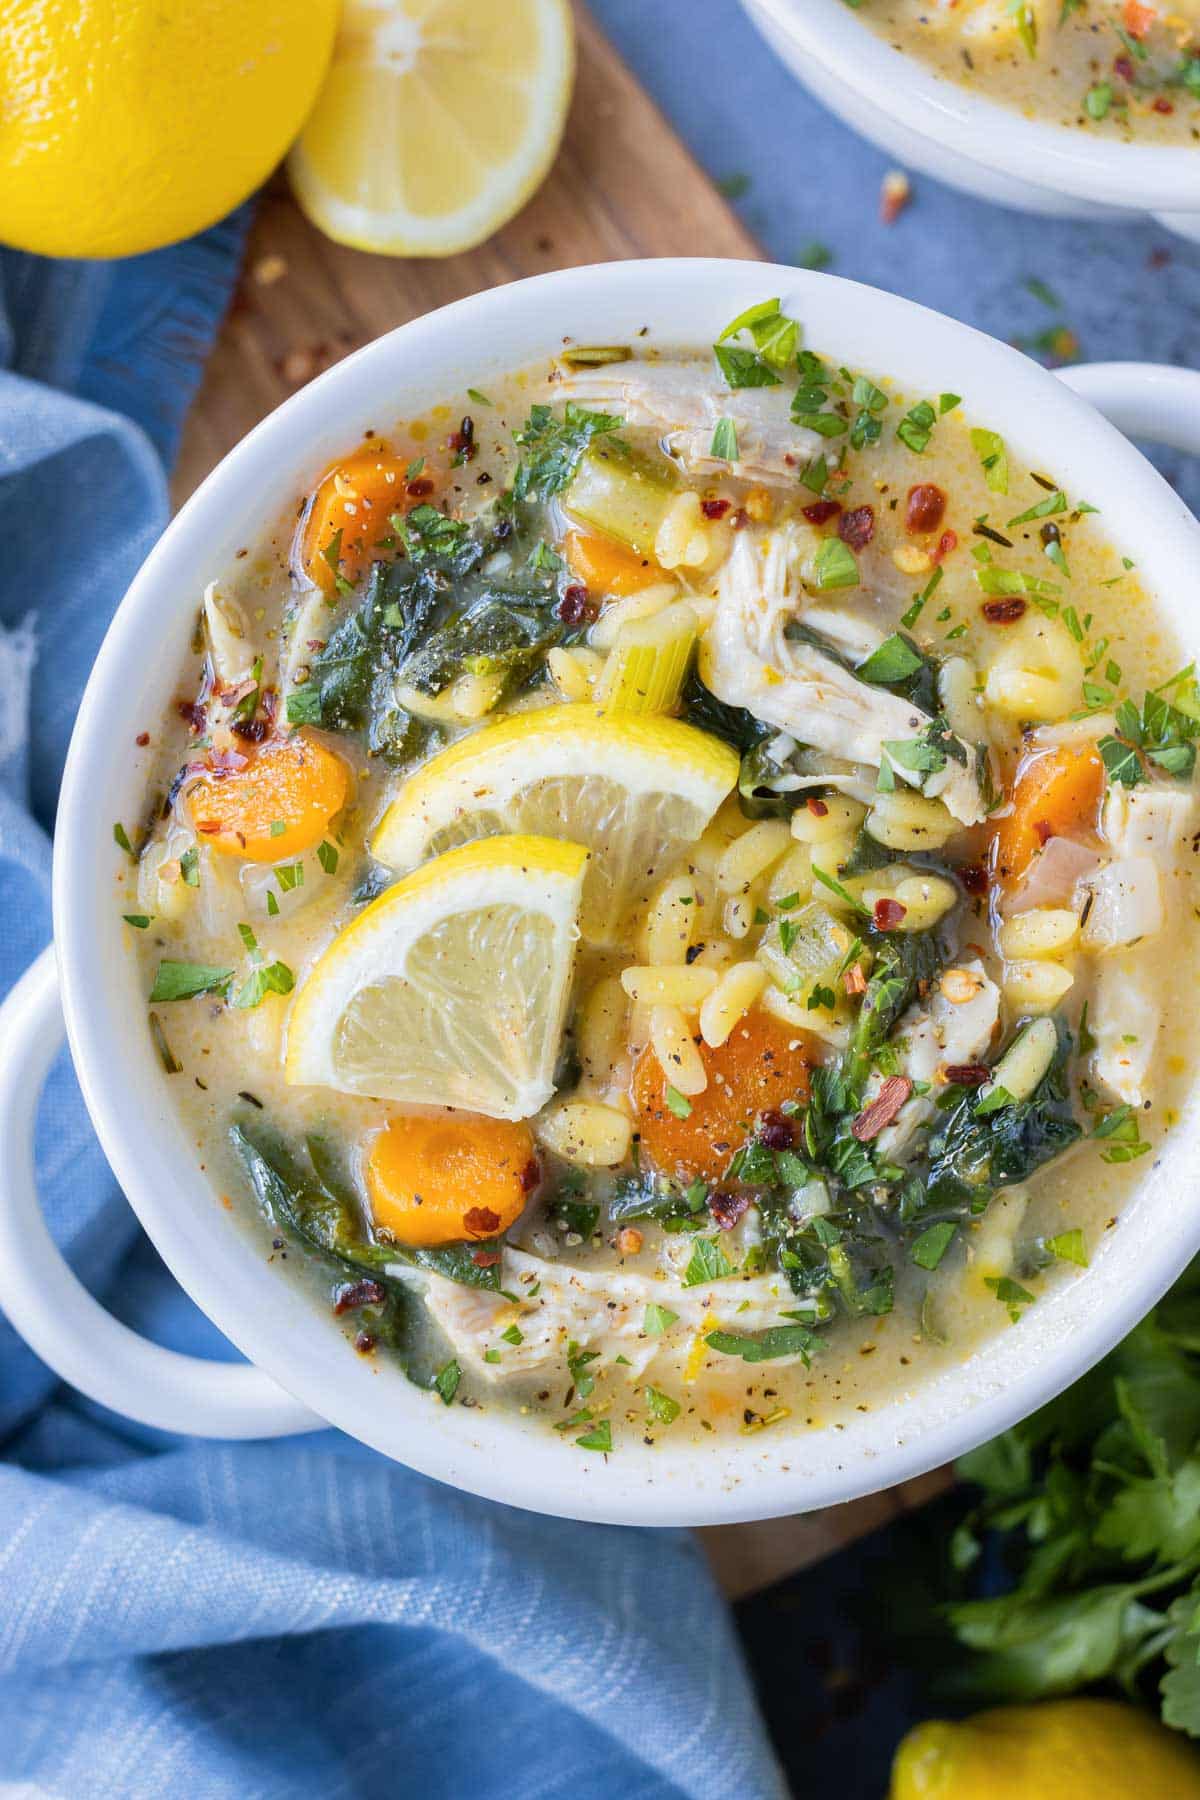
{"x":621,"y":494}
{"x":650,"y":661}
{"x":804,"y":950}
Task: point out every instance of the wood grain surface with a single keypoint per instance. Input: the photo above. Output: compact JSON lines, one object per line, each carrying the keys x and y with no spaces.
{"x":623,"y":186}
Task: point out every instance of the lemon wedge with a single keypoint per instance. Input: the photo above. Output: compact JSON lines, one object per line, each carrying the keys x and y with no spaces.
{"x":437,"y":121}
{"x":636,"y":790}
{"x":451,"y":989}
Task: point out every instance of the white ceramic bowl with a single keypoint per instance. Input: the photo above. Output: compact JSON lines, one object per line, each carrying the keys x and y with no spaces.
{"x":301,"y":1372}
{"x":940,"y":129}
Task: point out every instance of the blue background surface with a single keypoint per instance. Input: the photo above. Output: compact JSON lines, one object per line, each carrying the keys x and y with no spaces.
{"x":812,"y":180}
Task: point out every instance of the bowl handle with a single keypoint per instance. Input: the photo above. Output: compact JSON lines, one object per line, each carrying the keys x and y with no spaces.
{"x":1144,"y":400}
{"x":51,"y":1308}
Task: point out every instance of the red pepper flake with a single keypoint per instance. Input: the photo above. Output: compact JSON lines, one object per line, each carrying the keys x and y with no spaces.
{"x":888,"y":913}
{"x":364,"y":1343}
{"x":208,"y":827}
{"x":359,"y":1293}
{"x":530,"y":1175}
{"x":854,"y":981}
{"x":1163,"y":105}
{"x":419,"y":487}
{"x":967,"y":1074}
{"x":925,"y":508}
{"x":251,"y":731}
{"x":194,"y":713}
{"x":727,"y":1209}
{"x":715,"y":509}
{"x":894,"y":195}
{"x":740,"y":519}
{"x":1005,"y":612}
{"x":974,"y":878}
{"x":1044,"y":831}
{"x":574,"y":606}
{"x":821,"y":511}
{"x":481,"y":1221}
{"x":142,"y":739}
{"x":816,"y":807}
{"x":485,"y":1259}
{"x":1123,"y":66}
{"x":776,"y":1130}
{"x":945,"y":544}
{"x":857,"y":527}
{"x":883,"y":1108}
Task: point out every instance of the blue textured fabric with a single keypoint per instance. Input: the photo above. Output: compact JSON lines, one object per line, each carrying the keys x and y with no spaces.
{"x":297,"y":1618}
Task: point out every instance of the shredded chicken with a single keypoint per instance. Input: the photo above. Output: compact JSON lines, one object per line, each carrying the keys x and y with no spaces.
{"x":748,"y":660}
{"x":1133,"y":897}
{"x":671,"y":398}
{"x":934,"y":1036}
{"x":602,"y":1310}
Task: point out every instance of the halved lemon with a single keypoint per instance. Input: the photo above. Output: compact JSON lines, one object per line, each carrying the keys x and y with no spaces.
{"x":437,"y":121}
{"x":635,"y":789}
{"x":450,"y":989}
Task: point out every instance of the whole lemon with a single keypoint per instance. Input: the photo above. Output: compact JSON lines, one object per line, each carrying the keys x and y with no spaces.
{"x":1058,"y":1750}
{"x":127,"y":124}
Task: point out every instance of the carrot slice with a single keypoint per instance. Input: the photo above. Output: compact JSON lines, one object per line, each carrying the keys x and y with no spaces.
{"x":356,"y":498}
{"x":1139,"y":18}
{"x":442,"y":1179}
{"x":762,"y":1063}
{"x":1056,"y":794}
{"x":605,"y":567}
{"x":277,"y":806}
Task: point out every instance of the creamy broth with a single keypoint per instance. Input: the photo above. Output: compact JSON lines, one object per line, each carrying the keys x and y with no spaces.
{"x":755,"y":1247}
{"x":1120,"y":68}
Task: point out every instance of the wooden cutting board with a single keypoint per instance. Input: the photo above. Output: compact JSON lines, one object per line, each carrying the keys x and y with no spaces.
{"x":623,"y":186}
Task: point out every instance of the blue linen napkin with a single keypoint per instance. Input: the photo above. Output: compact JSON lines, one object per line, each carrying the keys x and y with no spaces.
{"x":297,"y":1617}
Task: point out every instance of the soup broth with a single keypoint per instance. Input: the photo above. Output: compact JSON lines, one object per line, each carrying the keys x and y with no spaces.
{"x":1127,"y":69}
{"x":848,"y":1035}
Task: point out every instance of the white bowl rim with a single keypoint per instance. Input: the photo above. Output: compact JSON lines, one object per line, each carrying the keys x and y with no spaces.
{"x":1141,"y":177}
{"x":495,"y":1453}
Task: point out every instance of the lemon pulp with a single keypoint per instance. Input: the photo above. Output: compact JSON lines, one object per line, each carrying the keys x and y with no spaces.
{"x":451,"y":988}
{"x":636,"y":790}
{"x":437,"y":121}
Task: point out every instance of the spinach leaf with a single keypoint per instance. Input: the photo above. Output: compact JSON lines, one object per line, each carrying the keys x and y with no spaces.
{"x":868,"y":853}
{"x":971,"y":1156}
{"x":322,"y":1210}
{"x":733,"y":724}
{"x":758,"y":796}
{"x":647,"y":1196}
{"x":500,"y":634}
{"x":902,"y":667}
{"x":352,"y":679}
{"x":903,"y":960}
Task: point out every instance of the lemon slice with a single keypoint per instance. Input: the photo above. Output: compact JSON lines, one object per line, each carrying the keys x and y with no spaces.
{"x":437,"y":121}
{"x":450,"y":989}
{"x":636,"y":790}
